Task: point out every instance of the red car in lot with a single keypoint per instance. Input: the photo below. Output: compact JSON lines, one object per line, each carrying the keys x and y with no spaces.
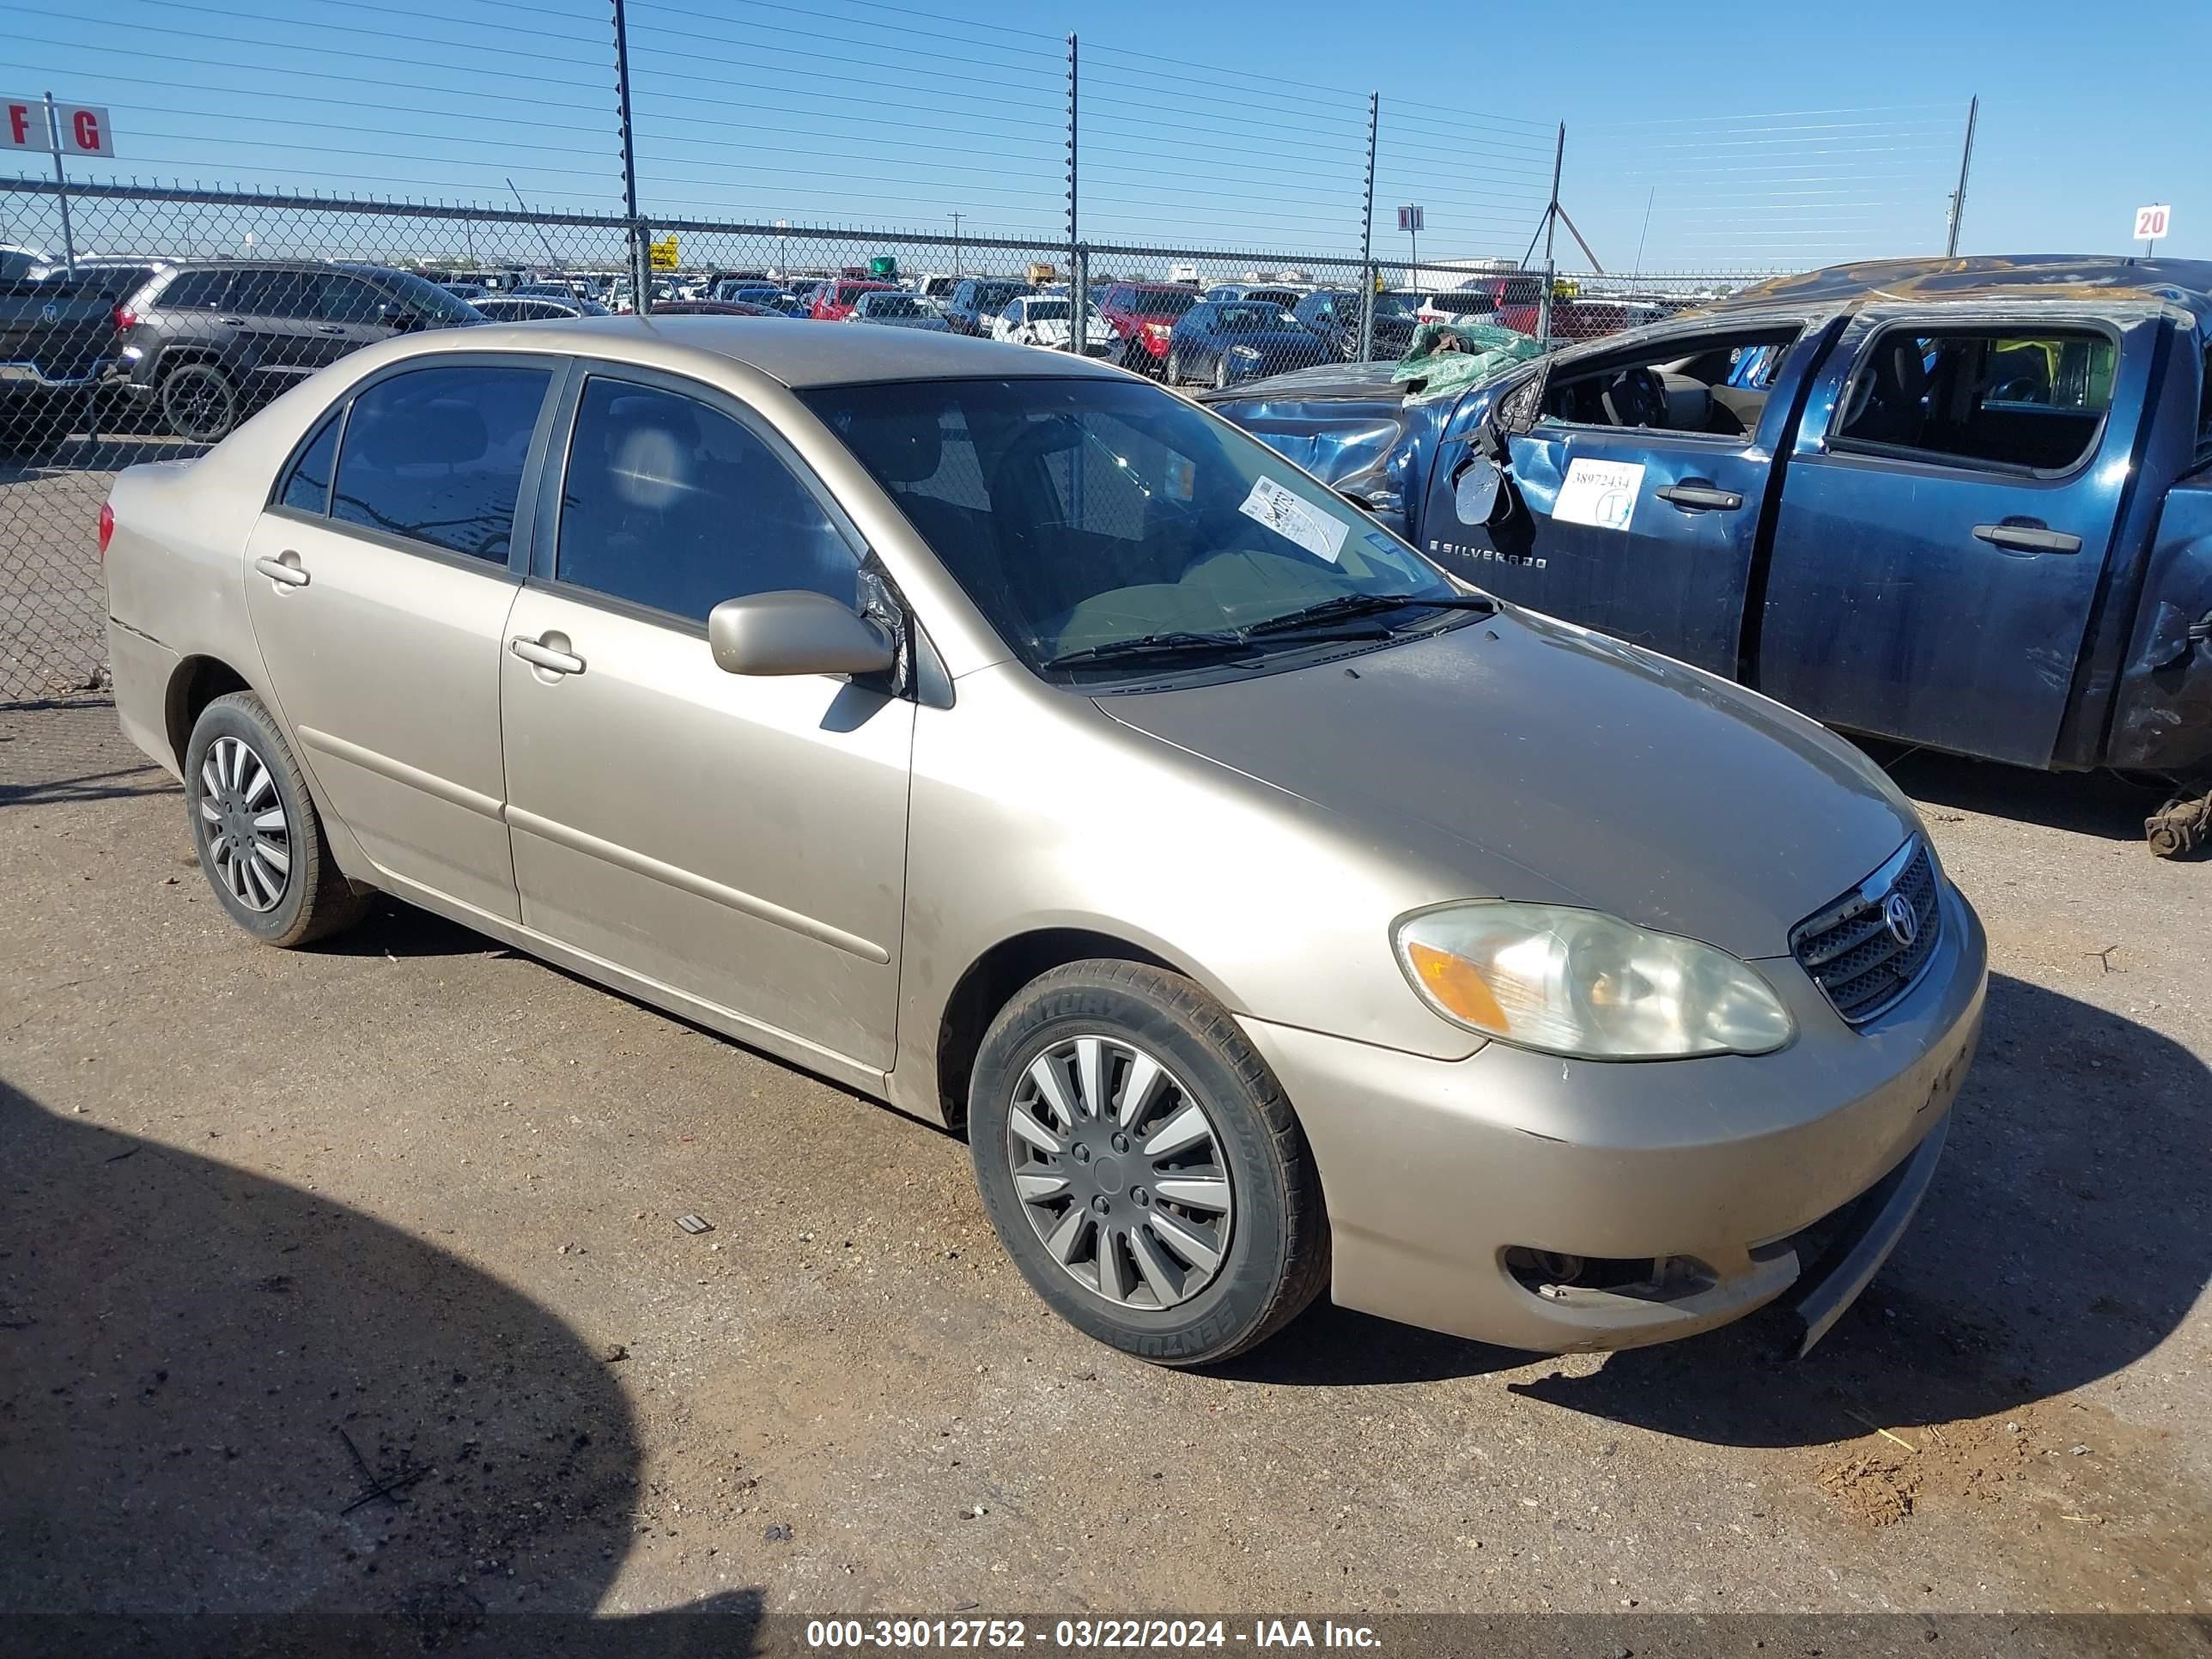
{"x":834,"y":300}
{"x":1517,"y":303}
{"x":1144,"y":314}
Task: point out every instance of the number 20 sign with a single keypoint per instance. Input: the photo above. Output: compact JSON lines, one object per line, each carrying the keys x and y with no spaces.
{"x":2151,"y":223}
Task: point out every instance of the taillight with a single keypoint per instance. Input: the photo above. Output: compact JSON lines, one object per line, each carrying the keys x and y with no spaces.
{"x":125,"y":320}
{"x":106,"y":527}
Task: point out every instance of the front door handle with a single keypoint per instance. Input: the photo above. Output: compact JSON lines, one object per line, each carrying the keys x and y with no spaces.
{"x":2027,"y":535}
{"x":1696,"y":495}
{"x":329,"y":328}
{"x":283,"y":569}
{"x":543,"y":656}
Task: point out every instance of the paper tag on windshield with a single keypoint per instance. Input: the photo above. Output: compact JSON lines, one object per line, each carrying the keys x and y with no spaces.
{"x":1601,"y":494}
{"x":1290,"y":518}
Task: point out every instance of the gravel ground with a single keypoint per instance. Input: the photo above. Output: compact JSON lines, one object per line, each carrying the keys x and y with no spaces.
{"x":283,"y":1228}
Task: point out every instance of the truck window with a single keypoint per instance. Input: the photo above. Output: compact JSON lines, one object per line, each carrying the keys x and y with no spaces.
{"x":1985,"y":396}
{"x":1716,"y":384}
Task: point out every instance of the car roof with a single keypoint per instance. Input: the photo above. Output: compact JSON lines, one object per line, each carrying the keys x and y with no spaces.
{"x":2183,"y":282}
{"x":796,"y":357}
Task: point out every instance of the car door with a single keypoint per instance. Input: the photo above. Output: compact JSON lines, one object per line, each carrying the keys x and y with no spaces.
{"x":740,"y":839}
{"x":270,"y":313}
{"x":349,"y":313}
{"x":1644,"y":531}
{"x":379,"y":590}
{"x":1945,"y":521}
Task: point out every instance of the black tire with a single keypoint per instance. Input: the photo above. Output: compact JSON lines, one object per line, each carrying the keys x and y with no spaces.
{"x":1278,"y":1256}
{"x":1175,"y":368}
{"x":315,"y":900}
{"x":1221,"y":373}
{"x":199,"y":402}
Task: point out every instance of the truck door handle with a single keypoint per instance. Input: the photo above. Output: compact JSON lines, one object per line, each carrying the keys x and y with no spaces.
{"x":1696,"y":495}
{"x":284,"y":570}
{"x":329,"y":328}
{"x":233,"y":322}
{"x":544,"y":656}
{"x":2027,"y":535}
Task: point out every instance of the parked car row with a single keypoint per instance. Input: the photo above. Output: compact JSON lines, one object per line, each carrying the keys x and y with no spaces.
{"x":194,"y":345}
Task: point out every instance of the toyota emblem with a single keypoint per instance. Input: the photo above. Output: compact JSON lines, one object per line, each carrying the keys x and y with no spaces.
{"x":1902,"y":921}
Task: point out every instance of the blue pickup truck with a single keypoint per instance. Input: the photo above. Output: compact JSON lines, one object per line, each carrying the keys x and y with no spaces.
{"x":1962,"y":503}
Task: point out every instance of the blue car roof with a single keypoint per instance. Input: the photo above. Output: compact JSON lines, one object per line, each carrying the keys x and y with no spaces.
{"x":2186,"y":283}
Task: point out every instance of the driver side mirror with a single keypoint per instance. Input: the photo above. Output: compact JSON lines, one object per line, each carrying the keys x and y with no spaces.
{"x":795,"y":633}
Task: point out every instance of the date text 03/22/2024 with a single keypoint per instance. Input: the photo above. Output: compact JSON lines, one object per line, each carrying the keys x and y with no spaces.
{"x":1084,"y":1635}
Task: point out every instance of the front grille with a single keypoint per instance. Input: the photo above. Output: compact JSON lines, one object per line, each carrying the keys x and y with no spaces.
{"x":1852,"y":951}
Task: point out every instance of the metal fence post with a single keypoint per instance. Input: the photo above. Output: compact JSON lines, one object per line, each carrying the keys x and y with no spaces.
{"x":1959,"y":197}
{"x":61,"y":188}
{"x":641,"y":254}
{"x":1551,"y":224}
{"x":1076,"y":334}
{"x":1367,"y":236}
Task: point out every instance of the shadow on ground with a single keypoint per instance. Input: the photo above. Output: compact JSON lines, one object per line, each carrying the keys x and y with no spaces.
{"x":2084,"y":803}
{"x":2065,"y":1235}
{"x":223,"y":1398}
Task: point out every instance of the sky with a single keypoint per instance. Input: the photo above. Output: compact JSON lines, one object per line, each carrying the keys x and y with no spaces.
{"x":1710,"y":137}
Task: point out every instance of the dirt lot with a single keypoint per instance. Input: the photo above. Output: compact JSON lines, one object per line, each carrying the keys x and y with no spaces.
{"x":280,"y":1229}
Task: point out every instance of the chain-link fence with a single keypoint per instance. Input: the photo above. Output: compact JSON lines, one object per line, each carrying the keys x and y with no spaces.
{"x":173,"y":314}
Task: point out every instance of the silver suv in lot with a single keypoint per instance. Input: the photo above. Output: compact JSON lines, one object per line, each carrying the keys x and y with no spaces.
{"x":997,"y":734}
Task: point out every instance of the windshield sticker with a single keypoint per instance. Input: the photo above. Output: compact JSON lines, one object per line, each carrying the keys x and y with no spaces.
{"x":1181,"y":478}
{"x":1600,"y":493}
{"x":1289,"y":517}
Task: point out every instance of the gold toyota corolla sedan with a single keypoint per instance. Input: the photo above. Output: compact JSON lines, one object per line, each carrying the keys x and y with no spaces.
{"x":995,"y":733}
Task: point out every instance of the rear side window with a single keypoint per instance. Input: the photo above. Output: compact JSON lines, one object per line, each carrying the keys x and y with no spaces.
{"x":307,"y":487}
{"x":437,"y":455}
{"x":2035,"y":400}
{"x":196,"y":290}
{"x":286,"y":294}
{"x":671,"y":504}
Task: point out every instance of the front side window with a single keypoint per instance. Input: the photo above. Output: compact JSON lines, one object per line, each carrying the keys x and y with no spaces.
{"x":437,"y":455}
{"x":1081,"y":515}
{"x":344,"y":299}
{"x":2035,"y":399}
{"x":278,"y":294}
{"x":673,"y":504}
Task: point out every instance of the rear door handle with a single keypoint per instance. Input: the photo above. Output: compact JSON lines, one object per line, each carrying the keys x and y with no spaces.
{"x":285,"y":570}
{"x":235,"y":322}
{"x":1696,"y":495}
{"x":2027,"y":535}
{"x":329,"y":328}
{"x":546,"y":657}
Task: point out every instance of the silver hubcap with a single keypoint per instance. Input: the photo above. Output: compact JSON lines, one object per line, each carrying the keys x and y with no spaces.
{"x":1120,"y":1171}
{"x":249,"y":839}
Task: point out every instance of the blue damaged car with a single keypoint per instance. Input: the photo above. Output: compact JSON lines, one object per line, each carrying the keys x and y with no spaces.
{"x":1960,"y":503}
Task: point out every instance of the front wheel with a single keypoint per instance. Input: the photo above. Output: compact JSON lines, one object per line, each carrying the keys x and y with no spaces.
{"x":1175,"y":368}
{"x":1221,"y":373}
{"x":1142,"y":1166}
{"x":260,"y":843}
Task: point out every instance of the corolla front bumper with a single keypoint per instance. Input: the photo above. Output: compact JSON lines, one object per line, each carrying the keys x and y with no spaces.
{"x":1562,"y":1204}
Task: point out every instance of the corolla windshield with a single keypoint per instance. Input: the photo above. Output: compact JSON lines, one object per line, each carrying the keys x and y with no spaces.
{"x":1097,"y":520}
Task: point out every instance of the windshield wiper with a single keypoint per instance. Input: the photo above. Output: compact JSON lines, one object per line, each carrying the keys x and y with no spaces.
{"x":1174,"y":643}
{"x":1367,"y":605}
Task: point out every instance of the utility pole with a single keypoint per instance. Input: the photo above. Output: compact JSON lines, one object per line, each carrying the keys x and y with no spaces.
{"x":1078,"y":271}
{"x":956,"y":242}
{"x":640,"y":252}
{"x":1959,"y":196}
{"x":1367,"y":236}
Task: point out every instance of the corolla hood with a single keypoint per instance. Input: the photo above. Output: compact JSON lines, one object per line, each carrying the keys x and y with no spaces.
{"x":1549,"y":763}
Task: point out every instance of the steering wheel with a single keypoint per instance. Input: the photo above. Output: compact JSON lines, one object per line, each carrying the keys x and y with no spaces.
{"x":1636,"y":397}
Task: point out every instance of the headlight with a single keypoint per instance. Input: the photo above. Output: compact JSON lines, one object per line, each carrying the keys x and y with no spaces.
{"x":1583,"y":983}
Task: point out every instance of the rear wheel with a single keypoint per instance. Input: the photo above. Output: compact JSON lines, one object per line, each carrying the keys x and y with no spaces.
{"x":199,"y":402}
{"x":253,"y":823}
{"x":1220,"y":373}
{"x":1175,"y":368}
{"x":1142,"y":1166}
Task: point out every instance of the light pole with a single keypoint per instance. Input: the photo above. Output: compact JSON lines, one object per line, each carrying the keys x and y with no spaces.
{"x":957,"y":218}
